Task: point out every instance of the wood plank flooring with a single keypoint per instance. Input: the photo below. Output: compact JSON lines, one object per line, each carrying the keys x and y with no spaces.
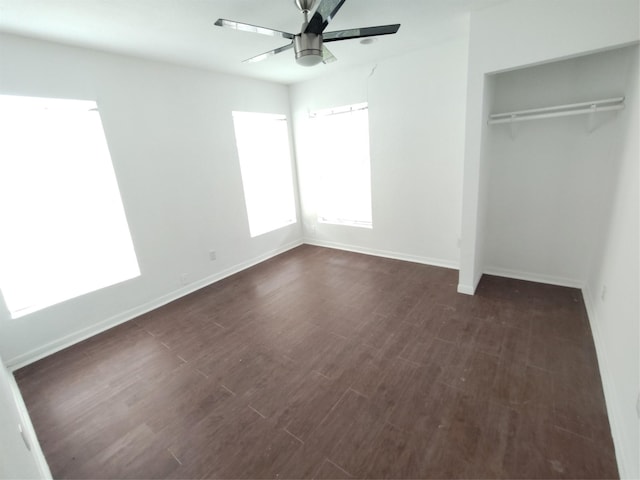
{"x":327,"y":364}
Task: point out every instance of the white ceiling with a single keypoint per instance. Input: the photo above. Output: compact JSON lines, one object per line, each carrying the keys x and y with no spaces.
{"x":182,"y":31}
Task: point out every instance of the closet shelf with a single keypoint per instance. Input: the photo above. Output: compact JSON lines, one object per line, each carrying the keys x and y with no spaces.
{"x":582,"y":108}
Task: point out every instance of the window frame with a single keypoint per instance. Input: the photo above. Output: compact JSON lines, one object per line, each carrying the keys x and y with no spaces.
{"x":254,"y":169}
{"x":67,"y":201}
{"x":321,"y":217}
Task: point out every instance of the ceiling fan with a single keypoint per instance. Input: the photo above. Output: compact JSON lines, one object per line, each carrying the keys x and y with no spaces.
{"x":309,"y":43}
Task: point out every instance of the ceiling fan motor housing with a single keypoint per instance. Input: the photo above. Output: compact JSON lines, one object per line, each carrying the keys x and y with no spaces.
{"x":308,"y":48}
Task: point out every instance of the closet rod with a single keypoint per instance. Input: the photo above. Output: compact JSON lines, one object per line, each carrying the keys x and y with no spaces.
{"x":565,"y":113}
{"x":558,"y":111}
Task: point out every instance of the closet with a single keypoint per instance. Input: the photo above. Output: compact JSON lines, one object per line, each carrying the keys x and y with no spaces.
{"x":552,"y":162}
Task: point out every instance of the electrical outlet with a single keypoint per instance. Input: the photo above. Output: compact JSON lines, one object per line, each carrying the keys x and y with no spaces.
{"x":638,"y":406}
{"x":603,"y":294}
{"x":212,"y":255}
{"x":184,"y":279}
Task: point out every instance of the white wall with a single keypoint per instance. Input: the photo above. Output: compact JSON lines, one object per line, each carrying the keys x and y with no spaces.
{"x":170,"y":133}
{"x":515,"y":34}
{"x":550,"y":181}
{"x":472,"y":248}
{"x":612,"y":291}
{"x":416,"y":119}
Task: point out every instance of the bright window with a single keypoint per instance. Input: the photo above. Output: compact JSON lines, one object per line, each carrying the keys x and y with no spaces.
{"x":265,"y":163}
{"x":342,"y":165}
{"x":64,"y":231}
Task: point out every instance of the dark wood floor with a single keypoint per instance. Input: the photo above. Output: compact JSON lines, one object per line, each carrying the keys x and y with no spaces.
{"x":327,"y":364}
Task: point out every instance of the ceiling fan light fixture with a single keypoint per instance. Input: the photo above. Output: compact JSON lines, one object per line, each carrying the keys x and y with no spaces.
{"x":308,"y":48}
{"x":309,"y":58}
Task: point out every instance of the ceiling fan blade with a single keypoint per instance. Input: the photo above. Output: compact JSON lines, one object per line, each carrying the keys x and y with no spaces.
{"x":268,"y":54}
{"x":323,"y":15}
{"x":360,"y":32}
{"x":327,"y":56}
{"x":245,"y":27}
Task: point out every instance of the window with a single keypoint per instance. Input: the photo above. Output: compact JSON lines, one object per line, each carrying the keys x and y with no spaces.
{"x":265,"y":164}
{"x":64,"y":231}
{"x":343,"y":169}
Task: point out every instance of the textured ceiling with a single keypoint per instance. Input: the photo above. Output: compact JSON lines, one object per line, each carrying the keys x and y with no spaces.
{"x":182,"y":31}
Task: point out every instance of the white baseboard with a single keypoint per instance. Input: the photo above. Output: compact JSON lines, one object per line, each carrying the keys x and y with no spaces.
{"x":466,"y":289}
{"x":533,"y":277}
{"x":610,"y":393}
{"x":435,"y":262}
{"x":50,"y":348}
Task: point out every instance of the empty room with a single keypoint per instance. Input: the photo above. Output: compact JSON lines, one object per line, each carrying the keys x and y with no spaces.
{"x":319,"y":239}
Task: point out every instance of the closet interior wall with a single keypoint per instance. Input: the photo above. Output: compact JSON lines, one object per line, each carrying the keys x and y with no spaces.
{"x":550,"y":181}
